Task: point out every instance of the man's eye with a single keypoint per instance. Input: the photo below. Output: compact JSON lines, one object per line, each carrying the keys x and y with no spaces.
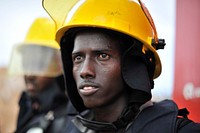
{"x":104,"y":56}
{"x":77,"y":58}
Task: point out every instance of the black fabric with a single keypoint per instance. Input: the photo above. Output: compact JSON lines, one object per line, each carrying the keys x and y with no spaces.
{"x":136,"y":74}
{"x":160,"y":117}
{"x":189,"y":127}
{"x":50,"y":100}
{"x":181,"y":122}
{"x":61,"y":82}
{"x":25,"y":111}
{"x":66,"y":53}
{"x":124,"y":119}
{"x":183,"y":113}
{"x":182,"y":119}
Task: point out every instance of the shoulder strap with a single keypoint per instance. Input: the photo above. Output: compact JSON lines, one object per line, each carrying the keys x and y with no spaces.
{"x":182,"y":118}
{"x":52,"y":115}
{"x":47,"y":119}
{"x":183,"y":113}
{"x":181,"y":122}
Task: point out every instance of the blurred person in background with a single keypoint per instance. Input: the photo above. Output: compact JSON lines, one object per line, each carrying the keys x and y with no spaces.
{"x":110,"y":62}
{"x":43,"y":104}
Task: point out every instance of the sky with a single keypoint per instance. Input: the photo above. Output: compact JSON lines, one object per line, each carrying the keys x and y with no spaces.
{"x":17,"y":15}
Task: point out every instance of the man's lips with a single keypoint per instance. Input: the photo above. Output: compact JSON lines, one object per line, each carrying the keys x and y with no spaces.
{"x":88,"y":89}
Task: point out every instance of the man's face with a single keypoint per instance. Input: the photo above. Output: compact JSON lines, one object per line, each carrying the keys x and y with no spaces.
{"x":36,"y":84}
{"x":97,"y":69}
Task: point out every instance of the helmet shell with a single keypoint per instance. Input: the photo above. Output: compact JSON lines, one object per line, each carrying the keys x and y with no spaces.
{"x":42,"y":32}
{"x":125,"y":16}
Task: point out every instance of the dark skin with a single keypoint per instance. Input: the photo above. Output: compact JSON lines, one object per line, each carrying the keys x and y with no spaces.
{"x":36,"y":84}
{"x":97,"y":72}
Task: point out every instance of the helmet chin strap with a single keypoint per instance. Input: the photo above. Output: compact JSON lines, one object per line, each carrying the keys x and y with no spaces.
{"x":127,"y":116}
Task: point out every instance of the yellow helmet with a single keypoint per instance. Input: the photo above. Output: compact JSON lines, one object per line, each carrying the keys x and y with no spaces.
{"x":42,"y":32}
{"x":126,"y":16}
{"x":39,"y":54}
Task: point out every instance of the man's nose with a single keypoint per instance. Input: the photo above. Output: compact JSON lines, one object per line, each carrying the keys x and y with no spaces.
{"x":87,"y":69}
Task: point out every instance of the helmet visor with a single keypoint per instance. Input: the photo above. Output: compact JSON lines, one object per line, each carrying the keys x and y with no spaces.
{"x":58,"y":11}
{"x":35,"y":60}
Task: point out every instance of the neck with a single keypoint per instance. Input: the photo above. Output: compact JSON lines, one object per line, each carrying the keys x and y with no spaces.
{"x":111,"y":112}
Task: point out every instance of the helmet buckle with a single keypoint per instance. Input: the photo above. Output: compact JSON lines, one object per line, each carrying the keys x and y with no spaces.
{"x":158,"y":45}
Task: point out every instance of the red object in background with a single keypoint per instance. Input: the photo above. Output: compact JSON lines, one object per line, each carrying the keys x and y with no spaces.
{"x":187,"y":57}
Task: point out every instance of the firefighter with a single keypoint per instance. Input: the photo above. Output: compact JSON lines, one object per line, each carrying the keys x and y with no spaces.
{"x":43,"y":104}
{"x":110,"y":62}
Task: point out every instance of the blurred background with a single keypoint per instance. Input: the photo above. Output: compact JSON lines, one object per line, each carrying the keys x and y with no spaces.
{"x":177,"y":21}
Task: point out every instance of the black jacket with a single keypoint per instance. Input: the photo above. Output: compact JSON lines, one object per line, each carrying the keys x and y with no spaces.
{"x":51,"y":116}
{"x":160,"y":117}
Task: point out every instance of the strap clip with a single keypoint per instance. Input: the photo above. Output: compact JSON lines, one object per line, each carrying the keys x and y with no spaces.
{"x":158,"y":45}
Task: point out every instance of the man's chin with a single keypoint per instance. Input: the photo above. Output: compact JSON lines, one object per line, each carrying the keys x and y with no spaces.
{"x":91,"y":104}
